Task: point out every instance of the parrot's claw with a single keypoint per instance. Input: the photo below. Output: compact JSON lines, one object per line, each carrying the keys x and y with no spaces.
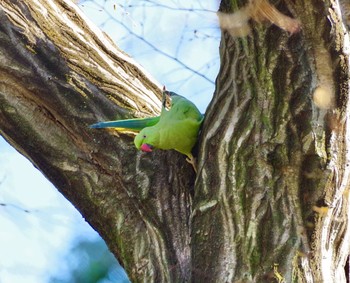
{"x":192,"y":161}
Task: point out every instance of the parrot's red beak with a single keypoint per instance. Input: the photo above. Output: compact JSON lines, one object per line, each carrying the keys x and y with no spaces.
{"x":146,"y":147}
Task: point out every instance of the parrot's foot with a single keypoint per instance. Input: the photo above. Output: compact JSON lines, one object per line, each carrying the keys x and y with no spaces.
{"x":192,"y":161}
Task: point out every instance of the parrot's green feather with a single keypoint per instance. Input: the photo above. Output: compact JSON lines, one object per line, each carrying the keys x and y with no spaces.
{"x":131,"y":124}
{"x":176,"y":128}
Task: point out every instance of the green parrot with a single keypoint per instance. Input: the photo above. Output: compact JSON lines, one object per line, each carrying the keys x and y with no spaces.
{"x":176,"y":128}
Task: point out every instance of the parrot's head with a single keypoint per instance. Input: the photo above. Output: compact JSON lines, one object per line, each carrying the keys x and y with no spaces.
{"x":145,"y":140}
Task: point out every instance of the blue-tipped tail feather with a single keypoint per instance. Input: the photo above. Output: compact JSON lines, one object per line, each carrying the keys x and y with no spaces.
{"x":132,"y":124}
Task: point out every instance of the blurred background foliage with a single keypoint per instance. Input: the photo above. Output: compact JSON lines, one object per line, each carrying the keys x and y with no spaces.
{"x":90,"y":262}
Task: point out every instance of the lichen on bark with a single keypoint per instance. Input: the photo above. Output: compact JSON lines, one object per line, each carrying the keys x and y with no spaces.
{"x":270,"y":201}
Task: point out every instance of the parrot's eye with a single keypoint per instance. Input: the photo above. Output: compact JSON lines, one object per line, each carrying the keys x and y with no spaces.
{"x":144,"y":136}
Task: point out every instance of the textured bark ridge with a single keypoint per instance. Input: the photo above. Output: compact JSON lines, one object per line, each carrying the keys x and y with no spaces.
{"x":271,"y":198}
{"x":270,"y":201}
{"x":58,"y":75}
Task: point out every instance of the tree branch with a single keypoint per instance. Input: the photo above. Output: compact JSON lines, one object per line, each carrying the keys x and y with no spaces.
{"x":59,"y":74}
{"x":271,"y":196}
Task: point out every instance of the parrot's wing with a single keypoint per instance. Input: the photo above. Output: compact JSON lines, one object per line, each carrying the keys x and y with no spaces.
{"x":136,"y":124}
{"x":179,"y":127}
{"x":182,"y":108}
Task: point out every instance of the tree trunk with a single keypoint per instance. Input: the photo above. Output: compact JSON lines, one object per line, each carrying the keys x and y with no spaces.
{"x":270,"y":200}
{"x":58,"y":76}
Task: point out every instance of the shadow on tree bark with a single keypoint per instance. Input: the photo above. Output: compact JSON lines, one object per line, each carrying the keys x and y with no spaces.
{"x":270,"y":201}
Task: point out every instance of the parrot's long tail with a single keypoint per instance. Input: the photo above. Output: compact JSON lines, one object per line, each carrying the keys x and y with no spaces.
{"x":136,"y":124}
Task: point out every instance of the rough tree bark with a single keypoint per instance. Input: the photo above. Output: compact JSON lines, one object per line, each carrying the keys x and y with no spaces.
{"x":270,"y":201}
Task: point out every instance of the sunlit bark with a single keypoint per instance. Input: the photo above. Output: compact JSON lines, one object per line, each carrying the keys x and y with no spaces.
{"x":58,"y":75}
{"x":270,"y":201}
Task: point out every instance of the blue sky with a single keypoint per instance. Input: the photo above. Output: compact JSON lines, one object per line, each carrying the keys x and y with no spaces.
{"x":37,"y":223}
{"x":175,"y":41}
